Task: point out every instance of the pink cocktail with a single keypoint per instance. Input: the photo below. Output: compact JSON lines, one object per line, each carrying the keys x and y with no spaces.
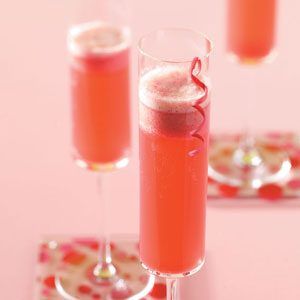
{"x":173,"y":168}
{"x":251,"y":28}
{"x":100,"y":94}
{"x":99,"y":64}
{"x":174,"y":93}
{"x":251,"y":39}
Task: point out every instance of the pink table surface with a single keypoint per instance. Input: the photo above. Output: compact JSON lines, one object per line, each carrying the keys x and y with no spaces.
{"x":253,"y":251}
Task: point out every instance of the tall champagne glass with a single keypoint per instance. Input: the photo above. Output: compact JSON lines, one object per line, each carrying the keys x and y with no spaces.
{"x":174,"y":102}
{"x":99,"y":51}
{"x":251,"y":40}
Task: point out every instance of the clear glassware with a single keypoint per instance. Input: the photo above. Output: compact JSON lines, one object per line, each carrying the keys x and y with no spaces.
{"x":251,"y":35}
{"x":174,"y":102}
{"x":99,"y":51}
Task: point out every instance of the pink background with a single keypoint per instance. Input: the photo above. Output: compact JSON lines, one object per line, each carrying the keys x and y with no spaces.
{"x":252,"y":252}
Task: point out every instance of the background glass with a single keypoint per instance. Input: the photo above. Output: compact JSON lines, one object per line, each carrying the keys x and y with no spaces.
{"x":251,"y":35}
{"x":99,"y":50}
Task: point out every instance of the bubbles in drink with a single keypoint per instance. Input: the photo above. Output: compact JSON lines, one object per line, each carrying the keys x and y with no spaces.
{"x":169,"y":89}
{"x":167,"y":96}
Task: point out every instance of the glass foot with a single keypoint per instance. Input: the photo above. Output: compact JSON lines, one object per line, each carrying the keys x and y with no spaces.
{"x":123,"y":279}
{"x":251,"y":167}
{"x":119,"y":287}
{"x":252,"y":61}
{"x":102,"y":167}
{"x":68,"y":270}
{"x":175,"y":276}
{"x":102,"y":272}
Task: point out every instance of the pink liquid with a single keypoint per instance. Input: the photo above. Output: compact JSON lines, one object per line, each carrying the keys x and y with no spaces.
{"x":100,"y":93}
{"x":251,"y":28}
{"x":173,"y":182}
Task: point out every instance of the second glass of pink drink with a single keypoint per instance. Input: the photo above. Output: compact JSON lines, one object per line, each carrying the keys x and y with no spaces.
{"x":251,"y":30}
{"x":99,"y":51}
{"x":100,"y":94}
{"x":174,"y":97}
{"x":251,"y":37}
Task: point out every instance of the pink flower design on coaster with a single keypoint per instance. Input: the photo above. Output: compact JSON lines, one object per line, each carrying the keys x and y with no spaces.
{"x":294,"y":184}
{"x":74,"y":257}
{"x":133,"y":257}
{"x":46,"y":292}
{"x":274,"y":135}
{"x":91,"y":243}
{"x":126,"y":276}
{"x":223,"y":169}
{"x":120,"y":293}
{"x":43,"y":257}
{"x":228,"y":190}
{"x":272,"y":147}
{"x":66,"y":247}
{"x":159,"y":291}
{"x":288,"y":146}
{"x":49,"y":282}
{"x":295,"y":159}
{"x":270,"y":191}
{"x":68,"y":254}
{"x":44,"y":246}
{"x":121,"y":256}
{"x":226,"y":152}
{"x":84,"y":289}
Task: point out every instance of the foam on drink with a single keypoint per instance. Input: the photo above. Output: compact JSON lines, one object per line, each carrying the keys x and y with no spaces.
{"x":169,"y":89}
{"x":97,"y":38}
{"x":167,"y":95}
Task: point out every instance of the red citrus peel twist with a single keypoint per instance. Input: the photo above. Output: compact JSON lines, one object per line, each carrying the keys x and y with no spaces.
{"x":196,"y":133}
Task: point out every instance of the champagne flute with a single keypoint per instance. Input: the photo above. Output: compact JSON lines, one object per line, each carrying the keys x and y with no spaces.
{"x":99,"y":50}
{"x":174,"y":102}
{"x":251,"y":35}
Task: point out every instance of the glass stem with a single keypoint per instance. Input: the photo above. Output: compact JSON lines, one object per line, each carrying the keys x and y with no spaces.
{"x":247,"y":155}
{"x":250,"y":97}
{"x":172,"y":291}
{"x":104,"y":270}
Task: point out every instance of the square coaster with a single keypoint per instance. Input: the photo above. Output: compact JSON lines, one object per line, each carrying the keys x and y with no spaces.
{"x":272,"y":143}
{"x":71,"y":258}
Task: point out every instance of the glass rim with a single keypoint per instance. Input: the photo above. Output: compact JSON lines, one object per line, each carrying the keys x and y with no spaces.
{"x":154,"y":57}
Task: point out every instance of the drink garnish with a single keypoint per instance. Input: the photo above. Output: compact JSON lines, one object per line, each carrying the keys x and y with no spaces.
{"x":196,"y":63}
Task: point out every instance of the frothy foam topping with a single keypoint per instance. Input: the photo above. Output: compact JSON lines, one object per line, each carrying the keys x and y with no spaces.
{"x":97,"y":38}
{"x":169,"y":89}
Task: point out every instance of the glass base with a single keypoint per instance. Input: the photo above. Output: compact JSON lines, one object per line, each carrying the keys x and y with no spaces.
{"x":252,"y":61}
{"x":66,"y":270}
{"x":129,"y":281}
{"x":171,"y":275}
{"x":119,"y":287}
{"x":232,"y":165}
{"x":102,"y":167}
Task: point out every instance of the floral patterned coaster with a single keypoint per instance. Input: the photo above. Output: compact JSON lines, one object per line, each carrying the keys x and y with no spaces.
{"x":70,"y":260}
{"x":221,"y":148}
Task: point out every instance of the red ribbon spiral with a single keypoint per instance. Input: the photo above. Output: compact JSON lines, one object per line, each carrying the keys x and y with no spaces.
{"x":197,"y":62}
